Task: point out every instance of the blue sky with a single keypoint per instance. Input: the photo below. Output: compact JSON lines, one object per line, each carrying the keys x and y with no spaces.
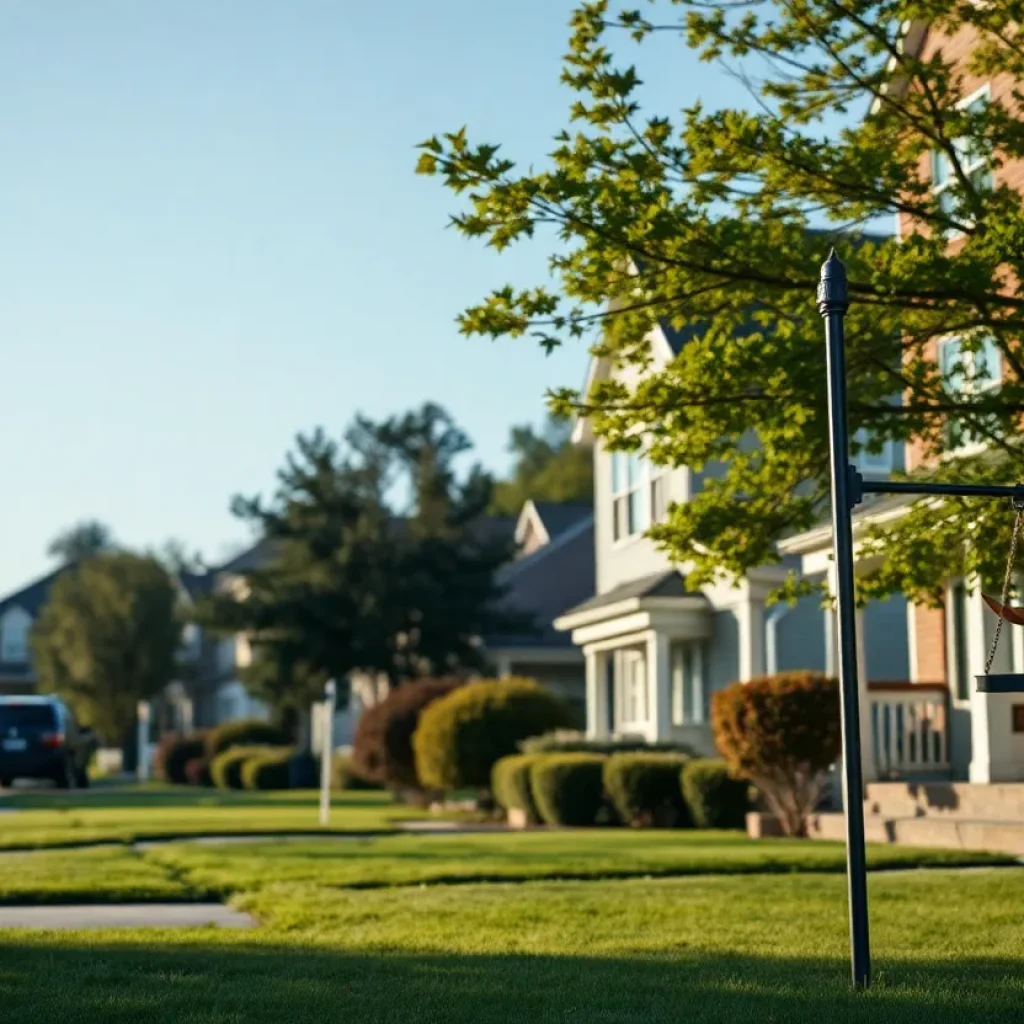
{"x":212,"y":238}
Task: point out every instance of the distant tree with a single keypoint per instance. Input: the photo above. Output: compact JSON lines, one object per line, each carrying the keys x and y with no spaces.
{"x":546,"y":467}
{"x":107,"y":638}
{"x":176,"y":556}
{"x":83,"y":540}
{"x":356,"y":584}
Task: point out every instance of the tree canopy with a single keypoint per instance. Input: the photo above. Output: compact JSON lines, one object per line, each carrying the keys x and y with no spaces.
{"x":704,"y":220}
{"x":380,"y":562}
{"x":547,"y":466}
{"x":83,"y":540}
{"x":107,"y":638}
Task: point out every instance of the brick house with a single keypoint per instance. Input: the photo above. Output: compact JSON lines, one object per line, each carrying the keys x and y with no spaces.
{"x":940,"y":726}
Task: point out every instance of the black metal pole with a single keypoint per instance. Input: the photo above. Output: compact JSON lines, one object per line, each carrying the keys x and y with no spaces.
{"x":942,"y":490}
{"x":832,"y":303}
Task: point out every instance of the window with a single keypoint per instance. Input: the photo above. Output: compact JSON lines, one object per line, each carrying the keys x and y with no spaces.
{"x":632,"y":691}
{"x":689,"y":697}
{"x":958,"y":601}
{"x":875,"y":463}
{"x":639,"y":494}
{"x":973,"y":162}
{"x":14,"y":630}
{"x":970,"y":367}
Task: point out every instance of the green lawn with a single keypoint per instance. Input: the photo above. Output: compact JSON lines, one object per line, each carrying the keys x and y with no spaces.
{"x":403,"y":860}
{"x":125,"y":814}
{"x":705,"y":950}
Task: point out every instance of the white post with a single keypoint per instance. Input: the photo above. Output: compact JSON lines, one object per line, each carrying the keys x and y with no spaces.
{"x":751,"y":614}
{"x":594,"y":661}
{"x":142,"y":741}
{"x":867,"y":745}
{"x":659,"y":687}
{"x":327,"y":751}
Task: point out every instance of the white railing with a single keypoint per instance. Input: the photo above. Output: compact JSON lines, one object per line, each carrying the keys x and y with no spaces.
{"x":909,"y":728}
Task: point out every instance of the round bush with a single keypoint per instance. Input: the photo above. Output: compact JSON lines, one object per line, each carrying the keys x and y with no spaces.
{"x":246,"y":732}
{"x":172,"y":754}
{"x":644,"y":789}
{"x":511,"y":786}
{"x":197,"y":772}
{"x":461,"y":735}
{"x":715,"y":799}
{"x":343,"y":775}
{"x":382,"y":748}
{"x":270,"y":769}
{"x":226,"y":767}
{"x":568,"y":789}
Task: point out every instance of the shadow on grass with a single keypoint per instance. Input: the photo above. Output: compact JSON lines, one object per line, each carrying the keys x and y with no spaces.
{"x":178,"y":796}
{"x":219,"y":982}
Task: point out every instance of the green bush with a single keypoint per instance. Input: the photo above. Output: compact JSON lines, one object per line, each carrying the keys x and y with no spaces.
{"x":782,"y":733}
{"x":270,"y":769}
{"x":644,"y":789}
{"x":246,"y":732}
{"x":343,"y":774}
{"x":511,"y":786}
{"x":571,"y":741}
{"x":715,"y":799}
{"x":172,"y":754}
{"x":382,"y":747}
{"x":197,"y":772}
{"x":226,"y":767}
{"x":568,"y":789}
{"x":461,"y":735}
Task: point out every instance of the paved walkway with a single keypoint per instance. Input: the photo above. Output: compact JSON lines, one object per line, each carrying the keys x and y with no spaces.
{"x":125,"y":915}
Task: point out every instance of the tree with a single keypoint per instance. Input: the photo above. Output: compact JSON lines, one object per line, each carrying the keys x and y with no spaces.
{"x":107,"y":638}
{"x":178,"y":558}
{"x":703,"y":223}
{"x":357,"y":584}
{"x":547,"y":467}
{"x":83,"y":540}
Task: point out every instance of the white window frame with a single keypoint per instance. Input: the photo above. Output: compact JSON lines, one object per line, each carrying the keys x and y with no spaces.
{"x":623,"y":489}
{"x":632,"y":711}
{"x":971,"y":386}
{"x":968,"y":165}
{"x":688,"y":712}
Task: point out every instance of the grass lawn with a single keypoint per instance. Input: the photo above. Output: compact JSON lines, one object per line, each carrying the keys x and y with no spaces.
{"x":403,"y":860}
{"x":124,"y":814}
{"x":713,"y":950}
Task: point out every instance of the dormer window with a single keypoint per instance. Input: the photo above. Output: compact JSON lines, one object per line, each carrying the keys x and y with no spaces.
{"x":639,"y":494}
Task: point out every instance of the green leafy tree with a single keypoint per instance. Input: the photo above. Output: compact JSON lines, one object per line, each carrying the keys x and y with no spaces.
{"x":357,"y":583}
{"x":547,"y":466}
{"x":107,"y":638}
{"x":702,"y":222}
{"x":83,"y":540}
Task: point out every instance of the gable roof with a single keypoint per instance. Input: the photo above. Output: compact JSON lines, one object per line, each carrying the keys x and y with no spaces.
{"x":547,"y":582}
{"x":33,"y":597}
{"x":668,"y":583}
{"x":550,"y":518}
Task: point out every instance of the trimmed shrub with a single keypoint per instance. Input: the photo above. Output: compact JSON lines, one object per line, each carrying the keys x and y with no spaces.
{"x":644,"y":789}
{"x":197,"y":772}
{"x":782,"y":733}
{"x":568,"y":789}
{"x":173,"y":752}
{"x":343,"y":775}
{"x":382,"y":748}
{"x":226,"y":767}
{"x":511,"y":786}
{"x":715,"y":799}
{"x":461,"y":735}
{"x":270,"y":769}
{"x":569,"y":741}
{"x":246,"y":732}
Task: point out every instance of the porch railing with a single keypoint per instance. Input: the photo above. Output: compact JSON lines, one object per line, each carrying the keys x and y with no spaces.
{"x":909,"y":728}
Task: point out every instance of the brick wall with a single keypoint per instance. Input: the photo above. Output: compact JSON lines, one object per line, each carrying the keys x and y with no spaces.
{"x":930,"y":643}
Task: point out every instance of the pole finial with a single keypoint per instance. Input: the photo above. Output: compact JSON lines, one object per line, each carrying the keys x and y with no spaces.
{"x":832,"y":287}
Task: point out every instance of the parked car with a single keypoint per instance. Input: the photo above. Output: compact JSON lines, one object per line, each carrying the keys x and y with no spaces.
{"x":41,"y":739}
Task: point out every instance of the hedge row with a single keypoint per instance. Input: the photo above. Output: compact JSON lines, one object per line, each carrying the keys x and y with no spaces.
{"x":639,"y":789}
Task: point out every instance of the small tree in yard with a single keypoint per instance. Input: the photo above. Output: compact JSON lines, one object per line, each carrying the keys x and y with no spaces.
{"x":782,"y":733}
{"x":382,"y":750}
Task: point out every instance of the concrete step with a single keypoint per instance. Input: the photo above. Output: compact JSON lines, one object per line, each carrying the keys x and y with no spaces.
{"x":962,"y":800}
{"x":946,"y":832}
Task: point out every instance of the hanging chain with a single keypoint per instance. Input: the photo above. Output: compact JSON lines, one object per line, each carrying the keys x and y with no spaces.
{"x":1019,"y":506}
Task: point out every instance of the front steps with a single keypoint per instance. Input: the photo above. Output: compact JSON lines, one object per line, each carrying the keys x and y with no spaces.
{"x":952,"y":815}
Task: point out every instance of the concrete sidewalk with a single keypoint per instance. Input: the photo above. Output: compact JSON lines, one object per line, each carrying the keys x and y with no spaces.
{"x":125,"y":915}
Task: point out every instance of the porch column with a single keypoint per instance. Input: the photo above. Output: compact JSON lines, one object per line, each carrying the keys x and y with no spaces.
{"x":750,"y":614}
{"x":597,"y":712}
{"x":503,"y":666}
{"x":992,"y":755}
{"x":659,"y":687}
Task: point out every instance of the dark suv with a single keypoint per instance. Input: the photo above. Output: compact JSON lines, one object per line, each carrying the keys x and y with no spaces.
{"x":40,"y":739}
